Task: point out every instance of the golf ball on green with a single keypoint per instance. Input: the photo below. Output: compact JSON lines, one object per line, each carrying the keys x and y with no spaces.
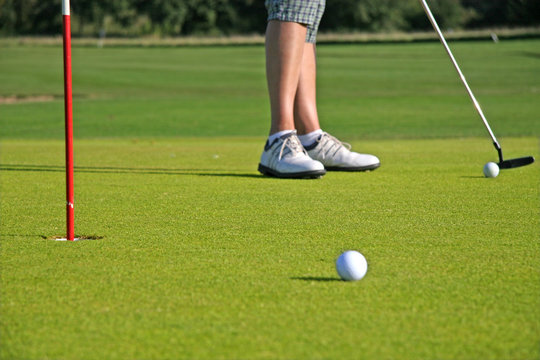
{"x":351,"y":266}
{"x":491,"y":170}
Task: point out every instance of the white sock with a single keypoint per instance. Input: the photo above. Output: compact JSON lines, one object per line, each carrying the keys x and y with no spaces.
{"x":310,"y":138}
{"x":279,"y":134}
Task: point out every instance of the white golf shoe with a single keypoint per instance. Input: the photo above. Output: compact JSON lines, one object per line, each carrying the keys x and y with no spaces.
{"x":286,"y":158}
{"x":336,"y":155}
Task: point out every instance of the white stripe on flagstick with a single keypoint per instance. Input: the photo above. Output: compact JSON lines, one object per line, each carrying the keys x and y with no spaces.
{"x":65,"y":7}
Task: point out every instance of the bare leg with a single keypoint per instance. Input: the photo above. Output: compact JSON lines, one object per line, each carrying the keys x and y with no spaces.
{"x":306,"y":118}
{"x":284,"y":55}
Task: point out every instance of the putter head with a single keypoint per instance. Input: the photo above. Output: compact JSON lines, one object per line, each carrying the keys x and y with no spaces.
{"x":514,"y":163}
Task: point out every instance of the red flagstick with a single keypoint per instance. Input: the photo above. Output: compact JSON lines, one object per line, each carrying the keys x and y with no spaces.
{"x":69,"y":120}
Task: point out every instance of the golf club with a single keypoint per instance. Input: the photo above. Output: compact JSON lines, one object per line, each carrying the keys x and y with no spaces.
{"x":503,"y":164}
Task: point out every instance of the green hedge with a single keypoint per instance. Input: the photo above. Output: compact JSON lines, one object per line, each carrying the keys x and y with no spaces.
{"x":228,"y":17}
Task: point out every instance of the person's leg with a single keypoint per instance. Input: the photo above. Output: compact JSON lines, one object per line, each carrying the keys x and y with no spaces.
{"x":321,"y":146}
{"x":283,"y":154}
{"x":306,"y":119}
{"x":284,"y":56}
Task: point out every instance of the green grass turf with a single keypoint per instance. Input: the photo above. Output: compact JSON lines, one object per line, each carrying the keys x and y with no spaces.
{"x":201,"y":257}
{"x":365,"y":91}
{"x":204,"y":258}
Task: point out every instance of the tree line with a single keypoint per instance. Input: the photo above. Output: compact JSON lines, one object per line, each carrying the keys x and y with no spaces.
{"x":232,"y":17}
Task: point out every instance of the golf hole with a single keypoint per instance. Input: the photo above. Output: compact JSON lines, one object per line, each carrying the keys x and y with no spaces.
{"x":77,"y":237}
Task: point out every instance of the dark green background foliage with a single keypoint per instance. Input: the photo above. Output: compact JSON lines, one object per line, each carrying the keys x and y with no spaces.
{"x":227,"y":17}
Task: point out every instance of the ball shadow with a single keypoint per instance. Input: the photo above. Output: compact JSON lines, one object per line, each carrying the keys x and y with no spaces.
{"x":315,"y":278}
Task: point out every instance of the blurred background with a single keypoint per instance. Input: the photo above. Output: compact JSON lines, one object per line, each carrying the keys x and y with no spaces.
{"x":167,"y":18}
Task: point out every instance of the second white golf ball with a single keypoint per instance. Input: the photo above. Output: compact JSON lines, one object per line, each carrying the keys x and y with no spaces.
{"x":491,"y":170}
{"x":351,"y":265}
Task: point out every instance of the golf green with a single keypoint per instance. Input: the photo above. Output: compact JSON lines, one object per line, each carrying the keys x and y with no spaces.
{"x":198,"y":256}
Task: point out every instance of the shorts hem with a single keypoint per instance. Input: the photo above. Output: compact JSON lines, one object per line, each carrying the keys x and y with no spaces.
{"x":289,"y":17}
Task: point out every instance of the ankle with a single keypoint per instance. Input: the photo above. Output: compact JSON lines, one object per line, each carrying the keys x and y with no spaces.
{"x":310,"y":138}
{"x":277,"y":135}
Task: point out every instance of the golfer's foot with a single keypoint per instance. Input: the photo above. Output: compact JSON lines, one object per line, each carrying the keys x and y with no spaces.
{"x":286,"y":158}
{"x":335,"y":155}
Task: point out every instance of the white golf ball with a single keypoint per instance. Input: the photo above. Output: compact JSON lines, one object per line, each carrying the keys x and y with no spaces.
{"x":351,"y":265}
{"x":491,"y":170}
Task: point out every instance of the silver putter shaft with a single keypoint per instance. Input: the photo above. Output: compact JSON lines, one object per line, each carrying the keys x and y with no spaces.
{"x":503,"y":164}
{"x":456,"y":66}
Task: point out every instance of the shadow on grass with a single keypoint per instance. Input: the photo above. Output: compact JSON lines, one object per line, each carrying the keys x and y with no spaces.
{"x":23,"y":235}
{"x":529,"y":54}
{"x":55,"y":237}
{"x":127,"y":170}
{"x":316,"y":278}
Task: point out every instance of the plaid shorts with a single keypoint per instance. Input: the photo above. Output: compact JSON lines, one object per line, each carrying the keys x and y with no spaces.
{"x":307,"y":12}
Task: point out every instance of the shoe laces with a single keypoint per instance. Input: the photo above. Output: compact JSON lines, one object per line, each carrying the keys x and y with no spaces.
{"x":291,"y":145}
{"x":329,"y":143}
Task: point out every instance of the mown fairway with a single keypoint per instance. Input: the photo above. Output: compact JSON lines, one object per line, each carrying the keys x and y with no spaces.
{"x":365,"y":91}
{"x":203,"y":258}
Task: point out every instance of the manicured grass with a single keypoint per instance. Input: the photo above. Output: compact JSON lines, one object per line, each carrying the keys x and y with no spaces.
{"x":203,"y":258}
{"x":365,"y":91}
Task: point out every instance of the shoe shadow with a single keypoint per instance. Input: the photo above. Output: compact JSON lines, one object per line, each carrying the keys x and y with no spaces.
{"x":127,"y":170}
{"x":315,"y":278}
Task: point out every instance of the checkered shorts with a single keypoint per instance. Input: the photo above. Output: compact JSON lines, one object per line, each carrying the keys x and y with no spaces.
{"x":308,"y":12}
